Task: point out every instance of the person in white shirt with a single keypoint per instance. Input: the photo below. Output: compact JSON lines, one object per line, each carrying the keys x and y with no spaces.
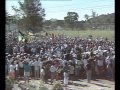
{"x":100,"y":66}
{"x":22,"y":49}
{"x":63,"y":62}
{"x":85,"y":62}
{"x":53,"y":72}
{"x":36,"y":69}
{"x":21,"y":70}
{"x":42,"y":74}
{"x":12,"y":70}
{"x":16,"y":70}
{"x":40,"y":64}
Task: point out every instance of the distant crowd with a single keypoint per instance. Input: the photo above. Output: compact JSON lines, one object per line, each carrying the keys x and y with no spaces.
{"x":60,"y":57}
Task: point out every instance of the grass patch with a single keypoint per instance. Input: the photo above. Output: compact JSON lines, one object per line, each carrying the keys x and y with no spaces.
{"x":84,"y":33}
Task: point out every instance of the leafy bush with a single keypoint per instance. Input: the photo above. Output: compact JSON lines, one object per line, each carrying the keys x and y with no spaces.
{"x":36,"y":85}
{"x":42,"y":86}
{"x":9,"y":83}
{"x":57,"y":86}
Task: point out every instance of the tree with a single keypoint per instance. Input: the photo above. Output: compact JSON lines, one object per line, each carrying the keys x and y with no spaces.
{"x":53,"y":23}
{"x":86,"y":17}
{"x":71,"y":19}
{"x":32,"y":15}
{"x":94,"y":20}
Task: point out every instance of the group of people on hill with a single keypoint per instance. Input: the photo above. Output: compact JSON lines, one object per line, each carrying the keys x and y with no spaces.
{"x":62,"y":58}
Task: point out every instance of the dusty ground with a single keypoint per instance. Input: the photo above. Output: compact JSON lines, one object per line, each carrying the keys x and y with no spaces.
{"x":76,"y":85}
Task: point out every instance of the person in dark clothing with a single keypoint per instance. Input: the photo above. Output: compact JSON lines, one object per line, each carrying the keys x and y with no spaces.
{"x":88,"y":71}
{"x":47,"y":73}
{"x":66,"y":74}
{"x":92,"y":62}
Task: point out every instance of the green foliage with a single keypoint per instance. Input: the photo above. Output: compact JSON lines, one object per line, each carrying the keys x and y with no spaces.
{"x":32,"y":15}
{"x":9,"y":81}
{"x":71,"y":19}
{"x":38,"y":85}
{"x":85,"y":33}
{"x":100,"y":22}
{"x":57,"y":86}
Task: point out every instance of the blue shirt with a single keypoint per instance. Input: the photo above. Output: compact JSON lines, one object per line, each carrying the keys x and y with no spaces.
{"x":26,"y":67}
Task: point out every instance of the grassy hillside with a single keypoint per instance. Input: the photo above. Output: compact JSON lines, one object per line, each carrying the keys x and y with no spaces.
{"x":84,"y":33}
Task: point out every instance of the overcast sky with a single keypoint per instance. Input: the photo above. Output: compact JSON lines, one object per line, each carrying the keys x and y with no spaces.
{"x":58,"y":9}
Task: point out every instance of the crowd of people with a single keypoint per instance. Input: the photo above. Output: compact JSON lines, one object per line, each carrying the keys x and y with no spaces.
{"x":60,"y":57}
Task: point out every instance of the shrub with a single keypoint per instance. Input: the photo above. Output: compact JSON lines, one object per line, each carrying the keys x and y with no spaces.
{"x":57,"y":86}
{"x":9,"y":83}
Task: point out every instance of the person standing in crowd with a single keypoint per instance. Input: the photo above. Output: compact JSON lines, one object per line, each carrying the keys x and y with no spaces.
{"x":93,"y":64}
{"x":21,"y":68}
{"x":88,"y":71}
{"x":100,"y":66}
{"x":58,"y":72}
{"x":40,"y":65}
{"x":12,"y":70}
{"x":16,"y":70}
{"x":26,"y":71}
{"x":36,"y":73}
{"x":6,"y":66}
{"x":31,"y":64}
{"x":42,"y":74}
{"x":46,"y":72}
{"x":53,"y":72}
{"x":22,"y":49}
{"x":72,"y":69}
{"x":77,"y":68}
{"x":66,"y":74}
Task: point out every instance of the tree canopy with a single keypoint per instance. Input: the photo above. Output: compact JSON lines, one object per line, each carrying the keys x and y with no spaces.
{"x":32,"y":15}
{"x":71,"y":19}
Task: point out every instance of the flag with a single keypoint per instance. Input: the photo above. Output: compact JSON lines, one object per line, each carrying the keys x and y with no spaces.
{"x":21,"y":36}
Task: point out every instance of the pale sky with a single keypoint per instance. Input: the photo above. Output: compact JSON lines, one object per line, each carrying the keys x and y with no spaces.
{"x":58,"y":9}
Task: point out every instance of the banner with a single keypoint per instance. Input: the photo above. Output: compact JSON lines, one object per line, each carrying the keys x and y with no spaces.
{"x":21,"y":36}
